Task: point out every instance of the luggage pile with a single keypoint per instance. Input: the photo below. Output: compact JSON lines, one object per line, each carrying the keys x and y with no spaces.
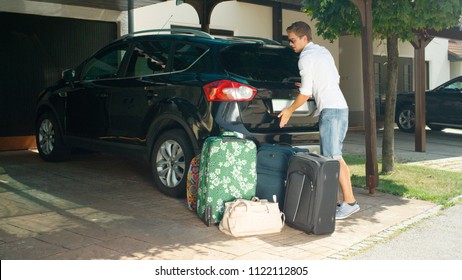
{"x":250,"y":191}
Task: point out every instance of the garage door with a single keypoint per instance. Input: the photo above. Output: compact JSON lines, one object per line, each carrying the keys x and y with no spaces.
{"x":33,"y":52}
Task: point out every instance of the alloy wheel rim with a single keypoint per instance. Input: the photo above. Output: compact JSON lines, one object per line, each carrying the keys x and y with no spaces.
{"x":170,"y":163}
{"x":407,"y":119}
{"x":46,"y":137}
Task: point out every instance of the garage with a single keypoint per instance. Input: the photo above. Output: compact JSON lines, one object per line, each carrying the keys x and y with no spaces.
{"x":35,"y":50}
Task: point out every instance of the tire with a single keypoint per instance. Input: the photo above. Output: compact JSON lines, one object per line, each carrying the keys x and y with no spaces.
{"x":406,"y":118}
{"x":49,"y":139}
{"x":171,"y":154}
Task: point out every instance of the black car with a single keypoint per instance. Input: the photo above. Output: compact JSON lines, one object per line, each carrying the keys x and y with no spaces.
{"x":443,"y":107}
{"x":159,"y":94}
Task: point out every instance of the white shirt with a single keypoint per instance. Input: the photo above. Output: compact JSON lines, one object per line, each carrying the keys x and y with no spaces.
{"x":320,"y":78}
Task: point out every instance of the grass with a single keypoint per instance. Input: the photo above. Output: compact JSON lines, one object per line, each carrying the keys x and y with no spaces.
{"x":410,"y":181}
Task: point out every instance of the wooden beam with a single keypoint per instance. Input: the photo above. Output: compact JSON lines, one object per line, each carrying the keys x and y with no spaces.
{"x":204,"y":9}
{"x":372,"y":174}
{"x":422,"y":40}
{"x":277,"y":22}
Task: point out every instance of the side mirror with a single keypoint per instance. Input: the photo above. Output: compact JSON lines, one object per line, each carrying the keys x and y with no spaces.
{"x":68,"y":75}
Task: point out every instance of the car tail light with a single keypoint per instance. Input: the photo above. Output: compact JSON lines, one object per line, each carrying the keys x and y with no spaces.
{"x":225,"y":90}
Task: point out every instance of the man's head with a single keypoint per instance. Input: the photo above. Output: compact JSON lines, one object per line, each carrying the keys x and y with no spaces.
{"x":299,"y":34}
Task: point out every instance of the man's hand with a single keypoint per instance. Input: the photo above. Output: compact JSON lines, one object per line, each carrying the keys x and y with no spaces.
{"x":284,"y":116}
{"x":287,"y":112}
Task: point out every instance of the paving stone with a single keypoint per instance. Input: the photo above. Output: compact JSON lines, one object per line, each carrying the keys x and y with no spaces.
{"x":91,"y":252}
{"x":67,"y":239}
{"x":28,"y":249}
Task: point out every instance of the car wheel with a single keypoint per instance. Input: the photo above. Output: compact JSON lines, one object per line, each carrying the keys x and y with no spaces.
{"x":50,"y":143}
{"x":406,"y":118}
{"x":171,"y":155}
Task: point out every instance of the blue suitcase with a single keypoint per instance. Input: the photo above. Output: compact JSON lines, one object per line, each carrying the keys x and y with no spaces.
{"x":272,"y":164}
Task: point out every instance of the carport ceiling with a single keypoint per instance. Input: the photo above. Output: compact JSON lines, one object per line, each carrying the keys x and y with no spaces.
{"x":118,"y":5}
{"x":122,"y":5}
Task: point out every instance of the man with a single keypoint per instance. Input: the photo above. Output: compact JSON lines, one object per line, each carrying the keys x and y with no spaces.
{"x":320,"y":79}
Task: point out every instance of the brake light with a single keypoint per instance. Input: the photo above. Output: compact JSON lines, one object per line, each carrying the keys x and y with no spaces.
{"x":225,"y":90}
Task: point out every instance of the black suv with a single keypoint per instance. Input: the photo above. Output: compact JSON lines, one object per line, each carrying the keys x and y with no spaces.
{"x":443,"y":107}
{"x":159,"y":94}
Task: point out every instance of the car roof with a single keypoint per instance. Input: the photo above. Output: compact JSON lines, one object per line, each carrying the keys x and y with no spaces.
{"x":195,"y":35}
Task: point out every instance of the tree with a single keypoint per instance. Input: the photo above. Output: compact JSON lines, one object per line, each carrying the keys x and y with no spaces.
{"x":393,"y":20}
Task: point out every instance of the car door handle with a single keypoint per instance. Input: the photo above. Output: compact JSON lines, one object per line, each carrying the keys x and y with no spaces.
{"x":102,"y":95}
{"x":151,"y":94}
{"x":150,"y":91}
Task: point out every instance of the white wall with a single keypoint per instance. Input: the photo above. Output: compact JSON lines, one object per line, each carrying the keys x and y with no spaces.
{"x":163,"y":15}
{"x":234,"y":16}
{"x":351,"y":74}
{"x":379,"y":47}
{"x":243,"y":18}
{"x":456,"y":69}
{"x":436,"y":53}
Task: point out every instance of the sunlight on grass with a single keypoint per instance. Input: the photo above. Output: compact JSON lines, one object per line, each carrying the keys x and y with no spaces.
{"x":410,"y":181}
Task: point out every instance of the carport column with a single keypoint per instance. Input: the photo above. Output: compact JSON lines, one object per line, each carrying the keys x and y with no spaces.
{"x":372,"y":173}
{"x":204,"y":9}
{"x":277,"y":21}
{"x":131,"y":19}
{"x":419,"y":44}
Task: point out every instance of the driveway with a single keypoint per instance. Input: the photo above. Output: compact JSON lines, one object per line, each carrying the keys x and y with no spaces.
{"x":97,"y":206}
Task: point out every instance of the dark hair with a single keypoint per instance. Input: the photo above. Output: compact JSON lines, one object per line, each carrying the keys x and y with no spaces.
{"x":300,"y":29}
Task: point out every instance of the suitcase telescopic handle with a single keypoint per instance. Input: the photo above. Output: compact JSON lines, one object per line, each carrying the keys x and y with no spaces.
{"x":232,"y":139}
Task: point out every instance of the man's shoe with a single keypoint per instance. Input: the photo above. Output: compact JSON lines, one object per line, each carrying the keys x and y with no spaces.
{"x":346,"y":210}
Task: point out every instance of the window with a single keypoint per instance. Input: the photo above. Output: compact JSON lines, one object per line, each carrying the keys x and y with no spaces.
{"x":187,"y":56}
{"x":262,"y":62}
{"x":105,"y":65}
{"x":407,"y":77}
{"x":455,"y":86}
{"x":148,"y":58}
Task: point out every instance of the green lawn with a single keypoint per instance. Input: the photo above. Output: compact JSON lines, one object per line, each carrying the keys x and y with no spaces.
{"x":410,"y":181}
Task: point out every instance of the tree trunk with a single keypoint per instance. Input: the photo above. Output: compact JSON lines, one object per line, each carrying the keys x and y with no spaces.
{"x":388,"y":141}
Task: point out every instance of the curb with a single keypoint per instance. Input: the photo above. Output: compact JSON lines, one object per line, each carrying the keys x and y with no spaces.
{"x":383,"y":235}
{"x":387,"y":233}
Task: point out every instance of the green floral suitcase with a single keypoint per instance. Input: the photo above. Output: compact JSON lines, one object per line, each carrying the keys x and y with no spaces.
{"x":227,"y":172}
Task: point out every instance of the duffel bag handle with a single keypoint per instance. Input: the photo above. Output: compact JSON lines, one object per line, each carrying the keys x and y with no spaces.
{"x":248,"y":204}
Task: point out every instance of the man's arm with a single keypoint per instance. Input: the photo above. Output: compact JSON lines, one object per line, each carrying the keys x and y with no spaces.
{"x":287,"y":112}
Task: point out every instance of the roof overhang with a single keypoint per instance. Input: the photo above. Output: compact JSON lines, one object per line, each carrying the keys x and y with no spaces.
{"x":454,"y":33}
{"x":117,"y":5}
{"x":124,"y":5}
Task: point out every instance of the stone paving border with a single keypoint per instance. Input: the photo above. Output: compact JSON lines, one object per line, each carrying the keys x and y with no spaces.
{"x":387,"y":233}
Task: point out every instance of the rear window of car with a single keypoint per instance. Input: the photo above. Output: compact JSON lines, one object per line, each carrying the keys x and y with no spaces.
{"x":261,"y":62}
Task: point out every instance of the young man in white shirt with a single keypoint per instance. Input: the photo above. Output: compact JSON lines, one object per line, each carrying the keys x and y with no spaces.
{"x":320,"y":80}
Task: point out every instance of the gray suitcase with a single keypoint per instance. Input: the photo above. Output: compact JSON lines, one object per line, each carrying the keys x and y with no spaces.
{"x":311,"y":193}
